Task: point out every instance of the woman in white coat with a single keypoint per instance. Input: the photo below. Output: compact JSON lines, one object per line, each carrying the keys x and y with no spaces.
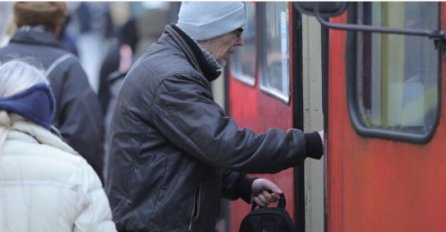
{"x":44,"y":184}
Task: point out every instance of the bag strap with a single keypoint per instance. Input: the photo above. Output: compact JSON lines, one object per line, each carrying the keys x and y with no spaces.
{"x":281,"y":204}
{"x":57,"y":62}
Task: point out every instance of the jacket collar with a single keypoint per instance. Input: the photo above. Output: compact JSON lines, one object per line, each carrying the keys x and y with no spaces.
{"x":27,"y":131}
{"x":193,"y":52}
{"x":35,"y":36}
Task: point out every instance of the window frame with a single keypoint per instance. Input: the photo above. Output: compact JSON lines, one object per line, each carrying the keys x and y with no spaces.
{"x":353,"y":101}
{"x":261,"y":14}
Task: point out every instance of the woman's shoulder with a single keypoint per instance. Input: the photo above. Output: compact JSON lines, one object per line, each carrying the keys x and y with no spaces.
{"x":39,"y":154}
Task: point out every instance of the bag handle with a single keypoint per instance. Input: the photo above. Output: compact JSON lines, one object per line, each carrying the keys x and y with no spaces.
{"x":281,"y":204}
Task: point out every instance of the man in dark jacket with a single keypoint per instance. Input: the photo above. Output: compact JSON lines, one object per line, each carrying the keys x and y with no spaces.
{"x":78,"y":113}
{"x":173,"y":150}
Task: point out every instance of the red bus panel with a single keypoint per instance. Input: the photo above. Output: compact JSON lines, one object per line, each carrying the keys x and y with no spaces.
{"x":377,"y":184}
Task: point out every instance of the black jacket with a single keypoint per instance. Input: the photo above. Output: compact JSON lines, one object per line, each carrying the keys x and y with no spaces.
{"x":170,"y":142}
{"x":78,"y":113}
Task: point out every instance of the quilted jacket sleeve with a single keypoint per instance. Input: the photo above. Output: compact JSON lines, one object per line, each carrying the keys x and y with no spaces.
{"x":95,"y":215}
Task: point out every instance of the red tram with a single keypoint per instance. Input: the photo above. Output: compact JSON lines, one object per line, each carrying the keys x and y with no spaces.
{"x":371,"y":76}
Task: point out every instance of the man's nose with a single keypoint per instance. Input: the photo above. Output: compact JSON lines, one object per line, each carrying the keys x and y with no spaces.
{"x":239,"y":42}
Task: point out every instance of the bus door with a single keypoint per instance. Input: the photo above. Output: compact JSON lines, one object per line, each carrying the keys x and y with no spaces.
{"x":386,"y":118}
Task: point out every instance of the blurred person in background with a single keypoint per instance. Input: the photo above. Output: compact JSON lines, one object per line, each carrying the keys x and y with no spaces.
{"x":78,"y":113}
{"x":173,"y":149}
{"x":45,"y":186}
{"x":117,"y":61}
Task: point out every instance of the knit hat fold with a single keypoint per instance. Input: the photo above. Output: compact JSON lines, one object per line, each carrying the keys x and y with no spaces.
{"x":36,"y":104}
{"x":207,"y":20}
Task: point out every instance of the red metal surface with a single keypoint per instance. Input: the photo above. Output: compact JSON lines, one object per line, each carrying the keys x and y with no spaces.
{"x":377,"y":184}
{"x":259,"y":111}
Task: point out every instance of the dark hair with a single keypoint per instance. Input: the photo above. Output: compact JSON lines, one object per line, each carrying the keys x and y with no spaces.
{"x":128,"y":33}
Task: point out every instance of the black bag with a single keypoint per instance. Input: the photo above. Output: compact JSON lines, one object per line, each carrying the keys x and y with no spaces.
{"x":268,"y":219}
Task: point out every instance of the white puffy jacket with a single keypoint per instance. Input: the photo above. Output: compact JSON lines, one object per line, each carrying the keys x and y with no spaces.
{"x":46,"y":186}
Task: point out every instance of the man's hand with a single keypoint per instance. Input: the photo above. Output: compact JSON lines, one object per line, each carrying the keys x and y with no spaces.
{"x":264,"y":192}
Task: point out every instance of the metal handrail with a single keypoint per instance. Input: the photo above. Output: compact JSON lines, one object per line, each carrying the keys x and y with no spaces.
{"x":437,"y":35}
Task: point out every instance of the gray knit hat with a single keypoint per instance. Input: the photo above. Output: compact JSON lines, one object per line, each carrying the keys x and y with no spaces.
{"x":207,"y":20}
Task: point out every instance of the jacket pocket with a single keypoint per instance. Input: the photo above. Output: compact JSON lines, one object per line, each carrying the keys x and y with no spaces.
{"x":195,"y":207}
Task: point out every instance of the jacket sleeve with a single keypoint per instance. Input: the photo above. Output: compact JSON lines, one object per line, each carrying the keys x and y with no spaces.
{"x":79,"y":116}
{"x":236,"y":185}
{"x":185,"y":112}
{"x":95,"y":214}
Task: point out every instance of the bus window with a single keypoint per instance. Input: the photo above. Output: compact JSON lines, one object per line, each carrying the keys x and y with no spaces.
{"x":243,"y":63}
{"x":274,"y":46}
{"x":397,"y":77}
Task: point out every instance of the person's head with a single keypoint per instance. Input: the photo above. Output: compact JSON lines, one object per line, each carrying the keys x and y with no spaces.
{"x":25,"y":91}
{"x":128,"y":33}
{"x":217,"y":26}
{"x":51,"y":15}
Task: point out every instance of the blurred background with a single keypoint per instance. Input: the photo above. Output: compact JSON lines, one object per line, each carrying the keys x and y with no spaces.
{"x":92,"y":26}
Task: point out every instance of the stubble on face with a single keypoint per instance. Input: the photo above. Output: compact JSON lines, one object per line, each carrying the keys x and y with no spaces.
{"x":221,"y":47}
